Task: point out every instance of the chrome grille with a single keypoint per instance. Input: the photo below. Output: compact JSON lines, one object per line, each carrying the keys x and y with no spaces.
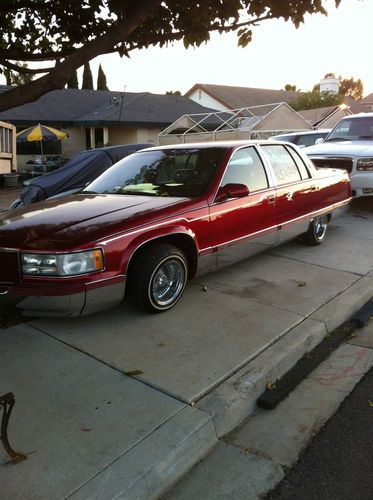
{"x":342,"y":163}
{"x":9,"y":267}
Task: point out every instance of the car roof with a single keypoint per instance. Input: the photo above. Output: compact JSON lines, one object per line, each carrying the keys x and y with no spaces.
{"x":358,"y":115}
{"x":213,"y":144}
{"x":305,"y":132}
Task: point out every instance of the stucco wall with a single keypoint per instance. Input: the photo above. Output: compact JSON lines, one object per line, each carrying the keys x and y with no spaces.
{"x":204,"y":99}
{"x":133,"y":135}
{"x":75,"y":141}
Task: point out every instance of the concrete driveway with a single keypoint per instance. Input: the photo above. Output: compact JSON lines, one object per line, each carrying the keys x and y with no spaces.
{"x":121,"y":404}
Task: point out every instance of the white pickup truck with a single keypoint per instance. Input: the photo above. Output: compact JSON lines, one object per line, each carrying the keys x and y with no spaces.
{"x":349,"y":146}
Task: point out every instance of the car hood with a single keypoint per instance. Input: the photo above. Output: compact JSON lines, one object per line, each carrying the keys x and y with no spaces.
{"x":76,"y":220}
{"x":342,"y":148}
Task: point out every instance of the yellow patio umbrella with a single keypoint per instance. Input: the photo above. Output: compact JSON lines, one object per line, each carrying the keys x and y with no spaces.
{"x":40,"y":133}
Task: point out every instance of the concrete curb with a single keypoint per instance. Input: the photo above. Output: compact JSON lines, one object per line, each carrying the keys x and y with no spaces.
{"x":150,"y":467}
{"x":235,"y":399}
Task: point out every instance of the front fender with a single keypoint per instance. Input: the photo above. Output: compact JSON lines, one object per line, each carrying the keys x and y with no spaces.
{"x":161,"y":234}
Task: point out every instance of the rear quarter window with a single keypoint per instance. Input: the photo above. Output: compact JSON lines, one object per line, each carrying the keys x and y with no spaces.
{"x":283,"y":165}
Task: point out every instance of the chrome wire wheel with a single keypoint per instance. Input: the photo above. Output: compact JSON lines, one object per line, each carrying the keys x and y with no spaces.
{"x":167,"y":282}
{"x":317,"y":231}
{"x":157,"y":277}
{"x":320,"y":227}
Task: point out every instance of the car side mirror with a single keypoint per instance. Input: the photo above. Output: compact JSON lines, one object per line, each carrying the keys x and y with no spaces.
{"x":231,"y":191}
{"x":319,"y":140}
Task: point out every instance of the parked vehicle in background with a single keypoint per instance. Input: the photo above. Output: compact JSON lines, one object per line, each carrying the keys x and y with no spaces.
{"x":82,"y":169}
{"x":305,"y":138}
{"x":158,"y":218}
{"x":349,"y":146}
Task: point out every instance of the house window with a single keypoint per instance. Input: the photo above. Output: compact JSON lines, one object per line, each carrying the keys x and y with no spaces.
{"x":6,"y":140}
{"x":99,"y":137}
{"x":88,"y":138}
{"x":200,"y":94}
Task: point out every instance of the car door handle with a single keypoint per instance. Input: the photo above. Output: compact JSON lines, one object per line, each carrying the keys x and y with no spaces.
{"x":313,"y":188}
{"x":271,"y":199}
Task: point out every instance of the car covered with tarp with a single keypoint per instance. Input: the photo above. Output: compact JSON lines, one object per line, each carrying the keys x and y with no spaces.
{"x":83,"y":168}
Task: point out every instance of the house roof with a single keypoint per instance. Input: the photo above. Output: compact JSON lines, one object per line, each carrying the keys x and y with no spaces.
{"x":101,"y":107}
{"x":316,"y":116}
{"x":355,"y":106}
{"x":368,"y":98}
{"x":239,"y":97}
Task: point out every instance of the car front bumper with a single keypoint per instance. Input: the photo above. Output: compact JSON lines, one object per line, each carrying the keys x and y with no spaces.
{"x":58,"y":303}
{"x":362,"y":184}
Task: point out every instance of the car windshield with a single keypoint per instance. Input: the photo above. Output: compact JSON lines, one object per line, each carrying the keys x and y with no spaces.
{"x":352,"y":129}
{"x":169,"y":172}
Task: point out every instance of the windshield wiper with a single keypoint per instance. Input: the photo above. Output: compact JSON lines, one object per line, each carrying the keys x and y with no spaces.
{"x":138,"y":193}
{"x":365,"y":136}
{"x":88,"y":192}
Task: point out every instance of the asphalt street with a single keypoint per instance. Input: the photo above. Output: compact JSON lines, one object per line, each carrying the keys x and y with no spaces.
{"x":338,"y":463}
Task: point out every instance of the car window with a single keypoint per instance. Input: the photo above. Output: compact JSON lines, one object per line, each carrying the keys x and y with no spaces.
{"x":245,"y":167}
{"x":353,"y":129}
{"x":169,"y":172}
{"x":308,"y":139}
{"x":283,"y":165}
{"x":304,"y":172}
{"x":286,"y":138}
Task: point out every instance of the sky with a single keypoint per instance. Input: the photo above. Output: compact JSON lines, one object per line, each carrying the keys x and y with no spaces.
{"x":341,"y":43}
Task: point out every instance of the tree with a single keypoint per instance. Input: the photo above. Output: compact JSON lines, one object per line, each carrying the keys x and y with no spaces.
{"x":350,"y":87}
{"x":17,"y":78}
{"x":72,"y":33}
{"x":290,"y":87}
{"x":314,"y":100}
{"x":73,"y":82}
{"x":87,"y":82}
{"x":173,"y":92}
{"x":101,"y":79}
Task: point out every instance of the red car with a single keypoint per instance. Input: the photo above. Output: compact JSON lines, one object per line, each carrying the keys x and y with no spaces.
{"x":158,"y":218}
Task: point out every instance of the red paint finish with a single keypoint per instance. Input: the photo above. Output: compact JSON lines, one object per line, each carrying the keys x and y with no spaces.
{"x":121,"y":224}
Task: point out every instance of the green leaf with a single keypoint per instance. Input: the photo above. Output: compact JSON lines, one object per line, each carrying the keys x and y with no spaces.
{"x":133,"y":373}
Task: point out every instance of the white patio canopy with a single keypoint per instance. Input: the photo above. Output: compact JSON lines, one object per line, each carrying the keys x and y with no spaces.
{"x":254,"y":122}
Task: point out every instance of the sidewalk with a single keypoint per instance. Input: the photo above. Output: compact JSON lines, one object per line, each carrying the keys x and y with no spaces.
{"x":120,"y":404}
{"x":257,"y":455}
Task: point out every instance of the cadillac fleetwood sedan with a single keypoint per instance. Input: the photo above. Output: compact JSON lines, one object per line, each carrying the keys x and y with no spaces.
{"x":159,"y":217}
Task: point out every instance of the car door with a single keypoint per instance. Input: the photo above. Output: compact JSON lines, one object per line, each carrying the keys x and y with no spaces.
{"x":245,"y":225}
{"x":297,"y":194}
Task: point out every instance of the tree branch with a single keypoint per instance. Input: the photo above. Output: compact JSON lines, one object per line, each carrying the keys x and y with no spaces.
{"x":62,"y":72}
{"x":22,"y":70}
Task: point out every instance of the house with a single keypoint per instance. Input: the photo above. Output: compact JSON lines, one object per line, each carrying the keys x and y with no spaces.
{"x":329,"y":116}
{"x":367,"y":102}
{"x":94,"y":118}
{"x":226,"y":97}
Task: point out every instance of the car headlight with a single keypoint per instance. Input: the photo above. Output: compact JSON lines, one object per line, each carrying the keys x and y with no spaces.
{"x":365,"y":164}
{"x":68,"y":264}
